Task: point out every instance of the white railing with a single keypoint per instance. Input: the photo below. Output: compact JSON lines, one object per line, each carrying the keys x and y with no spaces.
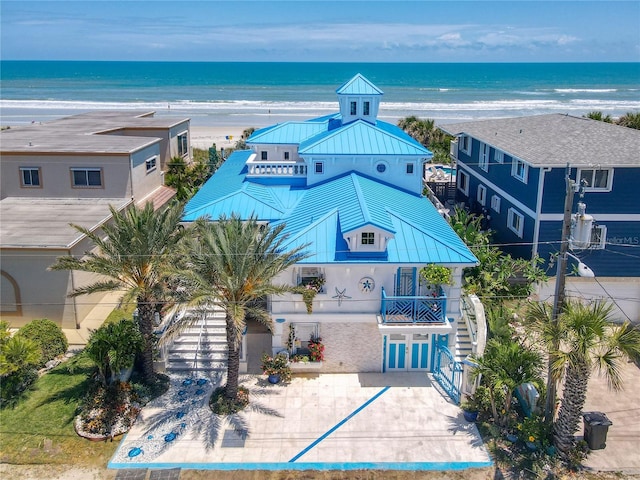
{"x":279,"y":169}
{"x":473,"y":315}
{"x":453,"y":149}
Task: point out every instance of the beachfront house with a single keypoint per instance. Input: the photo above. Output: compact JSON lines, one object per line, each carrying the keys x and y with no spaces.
{"x":513,"y":171}
{"x":69,"y":171}
{"x":350,"y":185}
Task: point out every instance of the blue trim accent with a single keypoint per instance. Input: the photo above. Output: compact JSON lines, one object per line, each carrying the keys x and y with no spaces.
{"x":415,"y":350}
{"x":402,"y":355}
{"x":339,"y":424}
{"x":414,"y":285}
{"x":417,"y":466}
{"x":384,"y":352}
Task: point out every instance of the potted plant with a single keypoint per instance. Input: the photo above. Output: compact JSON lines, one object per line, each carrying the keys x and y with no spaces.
{"x":276,"y":367}
{"x":470,"y":408}
{"x":436,"y":275}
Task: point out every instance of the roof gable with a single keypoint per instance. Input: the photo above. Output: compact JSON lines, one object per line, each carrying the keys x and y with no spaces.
{"x":358,"y":85}
{"x":362,"y":138}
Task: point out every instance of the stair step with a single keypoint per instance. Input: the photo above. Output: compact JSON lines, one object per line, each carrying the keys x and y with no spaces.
{"x":191,"y":368}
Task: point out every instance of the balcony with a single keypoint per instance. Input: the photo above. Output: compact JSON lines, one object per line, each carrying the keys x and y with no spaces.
{"x":262,"y":168}
{"x":422,"y":310}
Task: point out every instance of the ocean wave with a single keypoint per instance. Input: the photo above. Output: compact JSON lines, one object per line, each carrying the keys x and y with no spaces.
{"x":585,"y":90}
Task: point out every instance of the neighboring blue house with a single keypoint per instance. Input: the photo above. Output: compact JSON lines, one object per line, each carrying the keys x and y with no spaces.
{"x":349,"y":185}
{"x":513,"y":170}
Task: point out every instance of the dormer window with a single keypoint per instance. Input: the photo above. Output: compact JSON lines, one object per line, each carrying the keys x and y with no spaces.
{"x":354,"y":108}
{"x":263,"y":155}
{"x":368,"y":238}
{"x":366,"y":106}
{"x":286,"y":155}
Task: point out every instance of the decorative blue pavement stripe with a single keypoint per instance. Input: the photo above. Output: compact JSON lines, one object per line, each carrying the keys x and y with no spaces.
{"x":339,"y":424}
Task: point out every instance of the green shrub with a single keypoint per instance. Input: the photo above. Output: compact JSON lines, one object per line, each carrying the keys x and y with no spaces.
{"x":48,"y":336}
{"x":14,"y":385}
{"x":18,"y":359}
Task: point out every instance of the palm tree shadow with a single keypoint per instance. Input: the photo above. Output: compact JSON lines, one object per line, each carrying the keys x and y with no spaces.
{"x":184,"y":412}
{"x":458,"y":425}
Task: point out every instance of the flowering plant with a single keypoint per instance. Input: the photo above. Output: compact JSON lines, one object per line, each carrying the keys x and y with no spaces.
{"x":316,"y":349}
{"x":309,"y":290}
{"x":276,"y":365}
{"x":533,"y":430}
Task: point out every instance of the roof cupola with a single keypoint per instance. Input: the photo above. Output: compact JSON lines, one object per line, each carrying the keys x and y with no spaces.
{"x":359,"y":99}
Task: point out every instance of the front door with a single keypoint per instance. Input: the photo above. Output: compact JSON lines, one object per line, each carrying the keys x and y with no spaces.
{"x":419,"y":352}
{"x":407,"y":352}
{"x":396,"y":358}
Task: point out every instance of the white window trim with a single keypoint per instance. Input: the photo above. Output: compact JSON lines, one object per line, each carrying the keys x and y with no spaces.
{"x":481,"y":195}
{"x":597,"y":189}
{"x":466,"y":176}
{"x":461,"y":144}
{"x":603,"y":238}
{"x":525,"y":169}
{"x":184,"y":134}
{"x":483,"y":157}
{"x":498,"y":156}
{"x":495,"y":203}
{"x":151,"y":163}
{"x":513,"y":213}
{"x":367,"y":243}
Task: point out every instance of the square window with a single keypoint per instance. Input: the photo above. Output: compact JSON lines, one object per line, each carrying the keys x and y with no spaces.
{"x":312,"y":276}
{"x":368,"y":238}
{"x":365,"y":108}
{"x":319,"y":167}
{"x":354,"y":108}
{"x":263,"y":155}
{"x":463,"y":182}
{"x":515,"y":222}
{"x":481,"y":195}
{"x":86,"y":177}
{"x":410,"y":168}
{"x":519,"y":170}
{"x":30,"y":176}
{"x":495,"y":203}
{"x":151,"y":164}
{"x":596,"y":179}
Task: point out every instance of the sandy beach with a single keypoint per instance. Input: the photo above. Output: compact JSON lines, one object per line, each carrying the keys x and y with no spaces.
{"x":223,"y":137}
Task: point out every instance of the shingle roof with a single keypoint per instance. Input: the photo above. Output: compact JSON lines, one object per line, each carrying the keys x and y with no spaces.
{"x":556,"y":139}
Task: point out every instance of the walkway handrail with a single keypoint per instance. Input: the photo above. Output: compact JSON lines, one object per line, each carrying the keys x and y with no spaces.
{"x":474,"y":317}
{"x":195,"y":355}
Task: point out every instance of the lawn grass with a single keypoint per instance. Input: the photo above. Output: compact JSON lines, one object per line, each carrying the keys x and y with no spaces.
{"x":126,"y":311}
{"x":40,"y":428}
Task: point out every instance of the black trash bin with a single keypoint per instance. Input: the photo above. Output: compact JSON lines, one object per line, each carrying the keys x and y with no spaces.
{"x":596,"y":425}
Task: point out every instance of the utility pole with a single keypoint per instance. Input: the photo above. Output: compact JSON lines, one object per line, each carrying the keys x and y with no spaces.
{"x":558,"y":301}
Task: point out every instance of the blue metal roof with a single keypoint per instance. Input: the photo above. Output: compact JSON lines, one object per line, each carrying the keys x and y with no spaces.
{"x":358,"y":85}
{"x":288,"y":132}
{"x":362,"y":138}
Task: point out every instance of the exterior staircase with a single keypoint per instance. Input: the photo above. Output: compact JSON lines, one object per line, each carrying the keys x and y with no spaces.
{"x":202,"y":347}
{"x":464,"y":345}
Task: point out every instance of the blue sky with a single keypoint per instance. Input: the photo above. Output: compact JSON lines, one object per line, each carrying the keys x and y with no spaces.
{"x":342,"y":31}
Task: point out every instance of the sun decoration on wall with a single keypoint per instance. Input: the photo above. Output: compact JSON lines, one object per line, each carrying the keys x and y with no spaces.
{"x":366,"y":284}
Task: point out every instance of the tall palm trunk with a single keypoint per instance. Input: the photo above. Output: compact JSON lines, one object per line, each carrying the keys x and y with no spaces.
{"x":146,"y":313}
{"x":233,"y":360}
{"x":574,"y":396}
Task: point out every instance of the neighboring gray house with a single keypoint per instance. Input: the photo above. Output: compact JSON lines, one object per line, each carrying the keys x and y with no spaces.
{"x":69,"y":171}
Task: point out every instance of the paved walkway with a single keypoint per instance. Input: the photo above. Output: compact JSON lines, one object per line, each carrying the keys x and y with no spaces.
{"x":341,"y":421}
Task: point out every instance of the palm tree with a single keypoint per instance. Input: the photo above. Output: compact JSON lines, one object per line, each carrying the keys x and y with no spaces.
{"x":505,"y":365}
{"x":232,"y":263}
{"x":589,"y":342}
{"x":132,"y":254}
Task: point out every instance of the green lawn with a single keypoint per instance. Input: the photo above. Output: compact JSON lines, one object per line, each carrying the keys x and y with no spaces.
{"x":40,"y":428}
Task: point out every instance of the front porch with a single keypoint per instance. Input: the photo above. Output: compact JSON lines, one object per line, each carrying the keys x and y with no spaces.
{"x":428,"y":309}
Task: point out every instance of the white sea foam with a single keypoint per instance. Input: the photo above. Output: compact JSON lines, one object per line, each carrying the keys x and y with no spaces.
{"x":585,"y":90}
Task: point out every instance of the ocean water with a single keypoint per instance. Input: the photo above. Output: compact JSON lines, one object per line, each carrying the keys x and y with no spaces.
{"x":259,"y":94}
